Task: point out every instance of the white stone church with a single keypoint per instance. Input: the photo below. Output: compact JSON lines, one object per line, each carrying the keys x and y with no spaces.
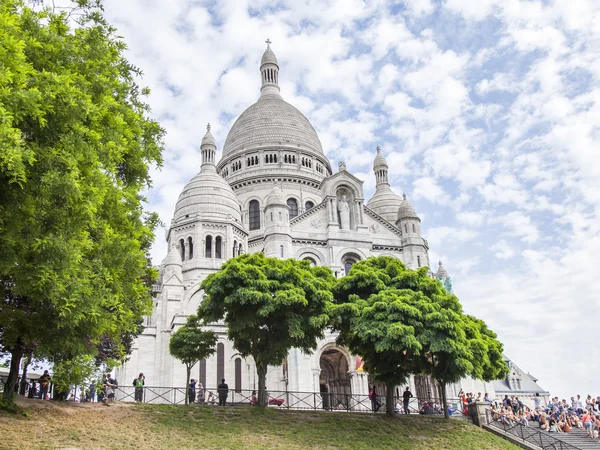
{"x":274,"y":191}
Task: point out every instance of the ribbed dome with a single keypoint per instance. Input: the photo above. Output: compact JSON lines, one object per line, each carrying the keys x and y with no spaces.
{"x":379,"y":160}
{"x":207,"y":195}
{"x":386,"y":203}
{"x":268,"y":57}
{"x":208,"y":138}
{"x":406,"y":210}
{"x":271,"y":120}
{"x":441,"y":272}
{"x":276,"y":197}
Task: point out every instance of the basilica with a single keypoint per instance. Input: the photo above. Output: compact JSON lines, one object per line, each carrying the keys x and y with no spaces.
{"x":274,"y":191}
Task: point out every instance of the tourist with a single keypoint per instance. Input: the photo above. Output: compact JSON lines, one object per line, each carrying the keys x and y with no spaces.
{"x":588,"y":423}
{"x":253,"y":399}
{"x":223,"y":390}
{"x":110,"y":386}
{"x":200,"y":393}
{"x":375,"y":405}
{"x":486,"y":398}
{"x":139,"y":383}
{"x":91,"y":392}
{"x":537,"y":400}
{"x":406,"y":396}
{"x":44,"y":384}
{"x":192,"y":391}
{"x":398,"y":407}
{"x":212,"y":399}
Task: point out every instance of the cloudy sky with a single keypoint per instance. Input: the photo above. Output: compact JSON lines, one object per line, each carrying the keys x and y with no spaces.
{"x":488,"y":113}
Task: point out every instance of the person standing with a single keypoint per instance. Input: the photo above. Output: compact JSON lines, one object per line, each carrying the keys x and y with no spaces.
{"x":192,"y":391}
{"x":375,"y":405}
{"x":406,"y":396}
{"x":44,"y":383}
{"x":223,"y":391}
{"x":138,"y":383}
{"x":110,"y":386}
{"x":92,"y":392}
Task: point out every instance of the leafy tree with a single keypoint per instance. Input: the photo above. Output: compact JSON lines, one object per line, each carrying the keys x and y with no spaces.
{"x":77,"y":372}
{"x":75,"y":150}
{"x":269,"y":306}
{"x":402,"y":322}
{"x":190,"y":344}
{"x":457,"y":345}
{"x":379,"y":318}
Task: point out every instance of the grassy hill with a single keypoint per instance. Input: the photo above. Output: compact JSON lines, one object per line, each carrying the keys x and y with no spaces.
{"x":126,"y":426}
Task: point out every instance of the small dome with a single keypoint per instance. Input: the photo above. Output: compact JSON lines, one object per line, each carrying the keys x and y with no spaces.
{"x":406,"y":210}
{"x":385,"y":202}
{"x":441,"y":272}
{"x":276,"y":197}
{"x":269,"y":57}
{"x":379,"y":160}
{"x":173,"y":257}
{"x":208,"y":196}
{"x":208,"y":138}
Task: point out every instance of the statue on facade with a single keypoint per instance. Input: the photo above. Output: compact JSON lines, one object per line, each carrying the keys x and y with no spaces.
{"x":344,"y":211}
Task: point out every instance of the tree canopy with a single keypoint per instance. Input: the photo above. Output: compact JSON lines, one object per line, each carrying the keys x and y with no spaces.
{"x":269,"y":306}
{"x":402,"y":322}
{"x":76,"y":145}
{"x":190,"y":344}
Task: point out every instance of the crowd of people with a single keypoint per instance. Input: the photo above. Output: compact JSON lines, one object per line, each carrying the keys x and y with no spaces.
{"x":558,"y":416}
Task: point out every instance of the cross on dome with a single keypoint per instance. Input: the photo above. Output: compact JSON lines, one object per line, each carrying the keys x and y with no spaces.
{"x":208,"y":127}
{"x":378,"y":149}
{"x":268,"y":42}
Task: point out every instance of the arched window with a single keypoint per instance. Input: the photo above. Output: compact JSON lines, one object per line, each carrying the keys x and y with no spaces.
{"x":182,"y":249}
{"x":310,"y":260}
{"x":208,"y":247}
{"x":271,"y":216}
{"x":234,"y":249}
{"x":406,"y":228}
{"x":293,"y":205}
{"x":418,"y":261}
{"x":190,"y":248}
{"x":218,"y":247}
{"x":254,"y":215}
{"x":238,"y":374}
{"x":202,"y":374}
{"x":281,"y":251}
{"x":414,"y":229}
{"x":240,"y":249}
{"x":309,"y":205}
{"x":220,"y":362}
{"x":348,"y":261}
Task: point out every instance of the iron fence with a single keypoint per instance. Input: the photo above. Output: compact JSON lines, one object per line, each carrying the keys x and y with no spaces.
{"x":526,"y":433}
{"x":284,"y":399}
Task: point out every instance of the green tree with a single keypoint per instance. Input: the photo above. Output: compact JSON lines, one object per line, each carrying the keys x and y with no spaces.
{"x":76,"y":145}
{"x":379,"y":315}
{"x":403,"y":322}
{"x":74,"y":373}
{"x":269,"y":306}
{"x":190,"y":344}
{"x":457,"y":345}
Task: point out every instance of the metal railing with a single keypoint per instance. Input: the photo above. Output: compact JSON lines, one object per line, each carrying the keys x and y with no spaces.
{"x":331,"y":401}
{"x":527,"y":434}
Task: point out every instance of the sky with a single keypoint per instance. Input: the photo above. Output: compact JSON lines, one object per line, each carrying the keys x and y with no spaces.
{"x":488,"y":113}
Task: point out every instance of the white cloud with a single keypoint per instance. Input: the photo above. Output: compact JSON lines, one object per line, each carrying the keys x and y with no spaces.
{"x":502,"y":250}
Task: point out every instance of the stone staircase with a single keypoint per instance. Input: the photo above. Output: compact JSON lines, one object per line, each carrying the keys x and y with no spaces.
{"x":575,"y":439}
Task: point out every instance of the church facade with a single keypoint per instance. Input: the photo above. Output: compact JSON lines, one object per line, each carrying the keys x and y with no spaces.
{"x":274,"y":191}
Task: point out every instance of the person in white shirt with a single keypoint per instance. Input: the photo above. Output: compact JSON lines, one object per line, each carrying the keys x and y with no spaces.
{"x":537,"y":401}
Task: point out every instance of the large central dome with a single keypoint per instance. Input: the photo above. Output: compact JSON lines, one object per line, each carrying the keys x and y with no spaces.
{"x":272,"y":140}
{"x":271,"y":120}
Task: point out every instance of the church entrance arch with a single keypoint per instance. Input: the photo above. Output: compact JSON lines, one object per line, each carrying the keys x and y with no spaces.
{"x":334,"y":379}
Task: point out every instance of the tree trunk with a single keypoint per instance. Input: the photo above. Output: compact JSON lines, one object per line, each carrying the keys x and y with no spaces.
{"x":23,"y":387}
{"x":444,"y":401}
{"x":389,"y":399}
{"x":188,"y":370}
{"x":261,"y":371}
{"x":13,"y":374}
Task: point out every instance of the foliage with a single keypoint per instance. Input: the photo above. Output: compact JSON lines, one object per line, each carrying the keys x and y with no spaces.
{"x":402,"y":322}
{"x":190,"y":344}
{"x":269,"y":306}
{"x":75,"y":150}
{"x":77,"y":372}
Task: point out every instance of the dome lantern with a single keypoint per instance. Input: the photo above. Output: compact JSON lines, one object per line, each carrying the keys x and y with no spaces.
{"x":269,"y":70}
{"x":208,"y":147}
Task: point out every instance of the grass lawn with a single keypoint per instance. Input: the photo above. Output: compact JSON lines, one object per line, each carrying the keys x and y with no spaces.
{"x":71,"y":426}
